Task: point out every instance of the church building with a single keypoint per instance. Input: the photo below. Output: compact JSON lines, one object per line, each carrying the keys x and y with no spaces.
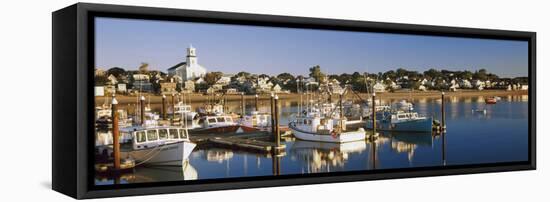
{"x":189,"y":69}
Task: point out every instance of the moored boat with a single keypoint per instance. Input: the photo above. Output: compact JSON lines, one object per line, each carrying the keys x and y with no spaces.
{"x":159,"y":145}
{"x":316,"y":128}
{"x":402,"y":121}
{"x":490,"y":100}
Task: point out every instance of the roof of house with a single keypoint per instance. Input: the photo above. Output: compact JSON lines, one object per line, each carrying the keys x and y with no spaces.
{"x":176,"y":66}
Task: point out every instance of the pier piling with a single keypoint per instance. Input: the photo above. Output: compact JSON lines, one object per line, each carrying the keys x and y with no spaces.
{"x":163,"y":107}
{"x":142,"y":110}
{"x":373,"y":115}
{"x":277,"y":131}
{"x":116,"y":145}
{"x":272,"y":114}
{"x":256,"y":103}
{"x":443,"y":125}
{"x":242,"y":105}
{"x":173,"y":107}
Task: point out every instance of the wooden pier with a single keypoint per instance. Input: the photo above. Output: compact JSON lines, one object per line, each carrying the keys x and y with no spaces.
{"x":260,"y":141}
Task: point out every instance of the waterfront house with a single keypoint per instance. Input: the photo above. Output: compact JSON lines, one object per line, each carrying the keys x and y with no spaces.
{"x":99,"y":72}
{"x":99,"y":91}
{"x":276,"y":88}
{"x":199,"y":80}
{"x":112,"y":80}
{"x":224,"y":80}
{"x":422,"y":87}
{"x":465,"y":83}
{"x":189,"y":86}
{"x":190,"y":68}
{"x":379,"y":87}
{"x":232,"y":91}
{"x":141,"y":83}
{"x":168,"y":88}
{"x":121,"y":88}
{"x":524,"y":87}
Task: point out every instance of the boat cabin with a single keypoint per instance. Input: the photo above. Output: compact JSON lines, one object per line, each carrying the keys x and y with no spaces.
{"x":315,"y":124}
{"x":216,"y":121}
{"x":403,"y":116}
{"x":151,"y":137}
{"x":257,"y":120}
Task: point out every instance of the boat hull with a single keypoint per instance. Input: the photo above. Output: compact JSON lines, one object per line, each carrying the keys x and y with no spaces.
{"x":173,"y":154}
{"x":341,"y":138}
{"x":224,"y":129}
{"x":420,"y":125}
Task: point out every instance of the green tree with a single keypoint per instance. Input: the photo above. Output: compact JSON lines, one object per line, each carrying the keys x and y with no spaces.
{"x":245,"y":74}
{"x":116,"y":71}
{"x":316,"y":73}
{"x":285,"y":76}
{"x":212,"y":77}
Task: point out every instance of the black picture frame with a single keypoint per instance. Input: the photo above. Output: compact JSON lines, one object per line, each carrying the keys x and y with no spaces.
{"x":72,"y":99}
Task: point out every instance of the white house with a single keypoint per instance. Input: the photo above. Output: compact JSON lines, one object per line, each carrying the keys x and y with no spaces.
{"x":422,"y":87}
{"x":190,"y":69}
{"x":465,"y":83}
{"x":224,"y":80}
{"x":379,"y":87}
{"x":276,"y":88}
{"x":112,"y":79}
{"x":121,"y":88}
{"x":524,"y":87}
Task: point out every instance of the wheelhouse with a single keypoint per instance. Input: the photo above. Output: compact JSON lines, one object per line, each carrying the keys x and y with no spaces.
{"x":152,"y":137}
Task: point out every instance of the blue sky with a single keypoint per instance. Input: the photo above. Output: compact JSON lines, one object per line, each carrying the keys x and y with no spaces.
{"x":232,"y":48}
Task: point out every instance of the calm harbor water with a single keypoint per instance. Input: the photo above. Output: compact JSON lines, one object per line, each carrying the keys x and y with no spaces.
{"x":500,"y":135}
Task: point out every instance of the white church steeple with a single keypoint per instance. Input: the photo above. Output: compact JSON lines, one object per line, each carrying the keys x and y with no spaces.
{"x":191,"y":55}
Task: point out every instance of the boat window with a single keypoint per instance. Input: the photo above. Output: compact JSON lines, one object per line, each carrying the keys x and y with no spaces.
{"x":201,"y":121}
{"x":183,"y":134}
{"x":140,"y":136}
{"x":211,"y":120}
{"x":174,"y":134}
{"x":228,"y":119}
{"x":401,"y":116}
{"x":220,"y":119}
{"x":163,"y":134}
{"x":152,"y":135}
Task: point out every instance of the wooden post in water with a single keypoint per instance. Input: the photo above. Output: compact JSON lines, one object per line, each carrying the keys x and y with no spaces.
{"x":272,"y":113}
{"x":443,"y":125}
{"x":242,"y":105}
{"x":116,"y":145}
{"x":173,"y":108}
{"x":256,"y":103}
{"x":163,"y":107}
{"x":373,"y":114}
{"x":341,"y":113}
{"x":277,"y":131}
{"x":142,"y":110}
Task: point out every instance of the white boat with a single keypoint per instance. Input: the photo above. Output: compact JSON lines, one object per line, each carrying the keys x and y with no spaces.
{"x":160,"y":145}
{"x":261,"y":121}
{"x":315,"y":128}
{"x":185,"y":114}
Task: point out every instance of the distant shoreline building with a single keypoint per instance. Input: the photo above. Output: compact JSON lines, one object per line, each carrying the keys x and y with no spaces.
{"x":190,"y":69}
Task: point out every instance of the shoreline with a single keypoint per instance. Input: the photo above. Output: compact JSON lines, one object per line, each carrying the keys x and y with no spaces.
{"x":154,"y":99}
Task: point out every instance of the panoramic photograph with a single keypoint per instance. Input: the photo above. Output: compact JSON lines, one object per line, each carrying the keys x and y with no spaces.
{"x":177,"y":101}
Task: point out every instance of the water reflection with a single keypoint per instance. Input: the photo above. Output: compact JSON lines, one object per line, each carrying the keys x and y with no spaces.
{"x":321,"y":157}
{"x":498,"y":135}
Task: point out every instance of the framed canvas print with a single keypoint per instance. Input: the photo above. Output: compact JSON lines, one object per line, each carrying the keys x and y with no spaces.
{"x":154,"y":100}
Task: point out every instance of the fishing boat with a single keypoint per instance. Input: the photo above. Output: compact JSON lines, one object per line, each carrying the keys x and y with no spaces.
{"x":158,"y":145}
{"x":402,"y":121}
{"x":490,"y":100}
{"x":258,"y":120}
{"x":317,"y":128}
{"x":401,"y":118}
{"x":185,"y":116}
{"x":220,"y":124}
